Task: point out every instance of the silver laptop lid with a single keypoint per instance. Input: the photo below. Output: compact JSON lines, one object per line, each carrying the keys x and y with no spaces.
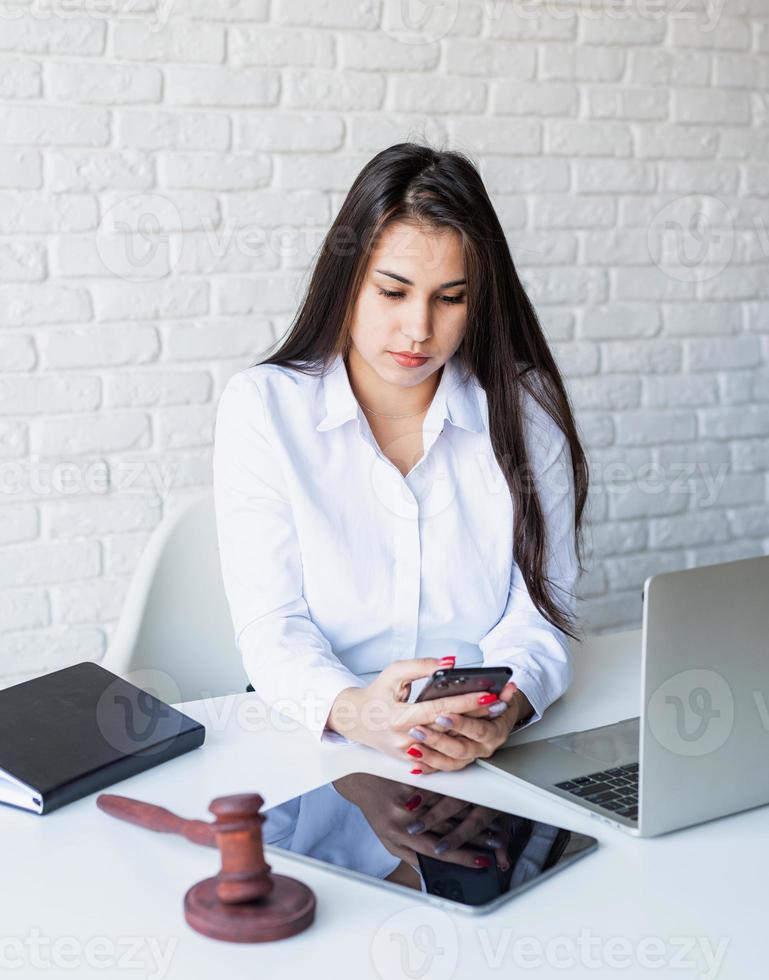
{"x":705,"y":694}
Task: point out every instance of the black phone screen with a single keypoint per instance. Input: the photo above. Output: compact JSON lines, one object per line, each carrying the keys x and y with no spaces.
{"x":465,"y":680}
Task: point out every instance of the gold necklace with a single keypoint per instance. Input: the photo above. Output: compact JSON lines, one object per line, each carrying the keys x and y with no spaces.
{"x":382,"y":415}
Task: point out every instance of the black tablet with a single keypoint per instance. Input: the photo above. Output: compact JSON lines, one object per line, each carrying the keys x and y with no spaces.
{"x":453,"y":852}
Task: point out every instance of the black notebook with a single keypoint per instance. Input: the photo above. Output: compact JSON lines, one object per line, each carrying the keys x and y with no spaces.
{"x":76,"y":730}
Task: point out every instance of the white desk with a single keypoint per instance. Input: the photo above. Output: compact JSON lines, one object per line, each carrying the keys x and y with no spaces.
{"x":78,"y":875}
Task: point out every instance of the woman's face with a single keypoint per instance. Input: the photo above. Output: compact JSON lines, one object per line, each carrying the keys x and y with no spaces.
{"x":412,"y":299}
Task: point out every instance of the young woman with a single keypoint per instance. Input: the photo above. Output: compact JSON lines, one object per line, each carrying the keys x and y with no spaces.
{"x":400,"y":486}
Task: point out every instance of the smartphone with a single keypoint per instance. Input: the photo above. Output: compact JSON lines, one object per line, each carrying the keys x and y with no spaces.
{"x":458,"y":883}
{"x":465,"y":680}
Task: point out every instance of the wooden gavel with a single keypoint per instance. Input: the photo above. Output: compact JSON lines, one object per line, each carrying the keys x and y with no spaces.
{"x":244,"y":903}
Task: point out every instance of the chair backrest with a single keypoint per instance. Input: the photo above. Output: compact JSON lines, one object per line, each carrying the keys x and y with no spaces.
{"x":176,"y":632}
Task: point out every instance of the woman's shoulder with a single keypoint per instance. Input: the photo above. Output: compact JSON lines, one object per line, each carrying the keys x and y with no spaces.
{"x":282,"y":401}
{"x":533,"y":392}
{"x":545,"y":437}
{"x":530,"y":389}
{"x":269,"y":379}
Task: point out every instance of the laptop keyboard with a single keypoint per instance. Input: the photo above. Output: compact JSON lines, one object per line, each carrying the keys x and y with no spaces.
{"x":615,"y":789}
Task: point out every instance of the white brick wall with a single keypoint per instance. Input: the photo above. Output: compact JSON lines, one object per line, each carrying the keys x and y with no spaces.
{"x":606,"y":134}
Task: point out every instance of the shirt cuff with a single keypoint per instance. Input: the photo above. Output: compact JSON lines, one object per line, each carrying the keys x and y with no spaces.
{"x":327,"y":697}
{"x":528,"y":685}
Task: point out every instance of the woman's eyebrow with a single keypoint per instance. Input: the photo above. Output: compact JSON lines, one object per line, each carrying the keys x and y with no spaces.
{"x":408,"y":282}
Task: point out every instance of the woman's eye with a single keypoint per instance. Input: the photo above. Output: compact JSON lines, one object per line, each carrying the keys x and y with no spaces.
{"x":394,"y":294}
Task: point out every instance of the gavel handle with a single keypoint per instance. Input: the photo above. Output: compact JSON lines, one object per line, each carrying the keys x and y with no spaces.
{"x":156,"y":818}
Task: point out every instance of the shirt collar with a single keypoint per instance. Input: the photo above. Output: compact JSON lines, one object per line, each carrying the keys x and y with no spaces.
{"x":455,"y":399}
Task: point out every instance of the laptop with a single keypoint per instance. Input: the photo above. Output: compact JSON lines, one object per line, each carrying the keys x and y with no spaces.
{"x":699,"y":749}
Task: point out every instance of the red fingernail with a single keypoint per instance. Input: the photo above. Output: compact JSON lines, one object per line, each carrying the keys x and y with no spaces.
{"x":483,"y":862}
{"x":415,"y":752}
{"x":413,"y":801}
{"x":417,"y":772}
{"x":487,"y":699}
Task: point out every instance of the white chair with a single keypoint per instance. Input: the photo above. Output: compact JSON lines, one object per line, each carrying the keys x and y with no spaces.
{"x":175,"y":634}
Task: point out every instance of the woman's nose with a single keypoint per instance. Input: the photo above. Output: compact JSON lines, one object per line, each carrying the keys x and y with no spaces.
{"x":417,"y":330}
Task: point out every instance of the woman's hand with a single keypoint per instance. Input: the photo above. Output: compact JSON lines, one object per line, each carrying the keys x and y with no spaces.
{"x":452,"y":824}
{"x":379,"y":714}
{"x":409,"y":824}
{"x":465,"y":737}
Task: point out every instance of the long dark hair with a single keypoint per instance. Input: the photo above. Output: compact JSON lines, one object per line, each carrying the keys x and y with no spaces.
{"x":503,"y":345}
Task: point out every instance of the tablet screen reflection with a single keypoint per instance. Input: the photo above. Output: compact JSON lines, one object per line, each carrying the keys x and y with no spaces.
{"x":440,"y":845}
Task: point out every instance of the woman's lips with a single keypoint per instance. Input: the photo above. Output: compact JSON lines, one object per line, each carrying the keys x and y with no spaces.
{"x":407,"y":360}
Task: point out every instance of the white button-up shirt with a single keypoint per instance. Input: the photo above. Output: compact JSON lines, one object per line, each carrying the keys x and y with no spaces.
{"x":335,"y":564}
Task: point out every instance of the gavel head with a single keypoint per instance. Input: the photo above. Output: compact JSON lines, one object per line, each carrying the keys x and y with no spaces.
{"x":244,"y":903}
{"x":245,"y":875}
